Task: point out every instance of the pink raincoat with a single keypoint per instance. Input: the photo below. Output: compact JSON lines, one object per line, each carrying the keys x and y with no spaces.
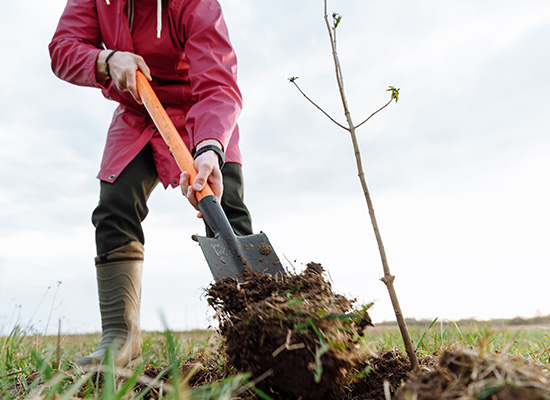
{"x":193,"y":66}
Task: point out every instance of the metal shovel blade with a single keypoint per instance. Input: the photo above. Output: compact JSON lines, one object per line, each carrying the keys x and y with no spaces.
{"x":229,"y":258}
{"x":228,"y":254}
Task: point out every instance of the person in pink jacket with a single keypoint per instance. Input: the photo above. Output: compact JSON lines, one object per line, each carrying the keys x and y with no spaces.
{"x":183,"y":48}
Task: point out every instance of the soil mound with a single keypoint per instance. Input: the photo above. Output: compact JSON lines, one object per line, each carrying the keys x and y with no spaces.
{"x":294,"y":334}
{"x":467,"y":375}
{"x":368,"y":380}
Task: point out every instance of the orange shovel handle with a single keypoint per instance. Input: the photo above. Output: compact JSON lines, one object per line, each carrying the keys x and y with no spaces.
{"x":168,"y":131}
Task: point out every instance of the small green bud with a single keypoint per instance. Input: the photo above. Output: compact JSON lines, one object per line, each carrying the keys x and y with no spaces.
{"x":394,"y":93}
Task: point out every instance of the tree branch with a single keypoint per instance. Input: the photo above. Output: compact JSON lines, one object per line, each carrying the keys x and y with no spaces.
{"x":376,"y":112}
{"x":293,"y":80}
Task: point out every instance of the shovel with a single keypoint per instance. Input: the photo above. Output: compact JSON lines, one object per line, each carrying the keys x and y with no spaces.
{"x":226,"y":253}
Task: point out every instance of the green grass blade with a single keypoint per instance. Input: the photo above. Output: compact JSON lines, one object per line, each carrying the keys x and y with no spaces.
{"x":424,"y":334}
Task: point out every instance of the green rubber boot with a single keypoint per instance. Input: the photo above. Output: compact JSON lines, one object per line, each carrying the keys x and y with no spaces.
{"x":119,"y":289}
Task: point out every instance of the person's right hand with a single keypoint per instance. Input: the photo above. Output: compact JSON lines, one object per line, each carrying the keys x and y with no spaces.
{"x":122,"y":69}
{"x":208,"y":170}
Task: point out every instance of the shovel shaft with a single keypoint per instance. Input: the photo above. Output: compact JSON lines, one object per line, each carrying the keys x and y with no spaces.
{"x":225,"y":253}
{"x":164,"y":124}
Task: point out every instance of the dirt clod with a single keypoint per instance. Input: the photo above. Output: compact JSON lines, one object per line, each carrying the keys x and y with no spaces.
{"x":294,"y":331}
{"x":265,"y":249}
{"x":367,"y":380}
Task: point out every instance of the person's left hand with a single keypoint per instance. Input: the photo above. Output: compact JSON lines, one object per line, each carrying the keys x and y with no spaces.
{"x":208,"y":170}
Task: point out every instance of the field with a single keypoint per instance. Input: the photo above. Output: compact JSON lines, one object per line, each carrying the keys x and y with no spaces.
{"x":325,"y":357}
{"x":40,"y":367}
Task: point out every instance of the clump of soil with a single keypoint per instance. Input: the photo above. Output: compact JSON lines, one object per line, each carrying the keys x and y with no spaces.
{"x":467,"y":375}
{"x":294,"y":334}
{"x":367,"y":380}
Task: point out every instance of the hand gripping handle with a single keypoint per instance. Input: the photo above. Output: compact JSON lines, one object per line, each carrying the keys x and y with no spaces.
{"x":168,"y":131}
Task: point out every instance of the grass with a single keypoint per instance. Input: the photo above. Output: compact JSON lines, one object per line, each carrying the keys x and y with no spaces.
{"x":189,"y":365}
{"x":36,"y":367}
{"x":531,"y":342}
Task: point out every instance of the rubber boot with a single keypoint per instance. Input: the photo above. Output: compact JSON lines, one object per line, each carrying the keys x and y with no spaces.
{"x":119,"y":289}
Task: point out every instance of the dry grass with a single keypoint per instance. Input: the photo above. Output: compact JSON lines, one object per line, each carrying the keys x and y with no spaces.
{"x":468,"y":375}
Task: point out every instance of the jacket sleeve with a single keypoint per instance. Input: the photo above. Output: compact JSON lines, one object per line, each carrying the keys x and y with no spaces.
{"x":212,"y":73}
{"x":76,"y":44}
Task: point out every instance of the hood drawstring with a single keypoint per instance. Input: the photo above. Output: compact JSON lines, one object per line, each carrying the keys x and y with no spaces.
{"x":159,"y":16}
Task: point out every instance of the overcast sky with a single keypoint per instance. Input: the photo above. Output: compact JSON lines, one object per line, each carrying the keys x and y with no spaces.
{"x":458,"y":169}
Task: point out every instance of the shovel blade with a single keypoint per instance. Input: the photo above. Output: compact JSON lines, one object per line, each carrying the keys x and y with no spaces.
{"x":229,"y":258}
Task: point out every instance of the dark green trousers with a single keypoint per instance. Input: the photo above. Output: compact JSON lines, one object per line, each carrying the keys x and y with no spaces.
{"x":122,"y":204}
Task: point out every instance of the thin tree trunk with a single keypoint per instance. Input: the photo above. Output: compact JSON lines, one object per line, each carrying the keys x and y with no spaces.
{"x":388,"y":277}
